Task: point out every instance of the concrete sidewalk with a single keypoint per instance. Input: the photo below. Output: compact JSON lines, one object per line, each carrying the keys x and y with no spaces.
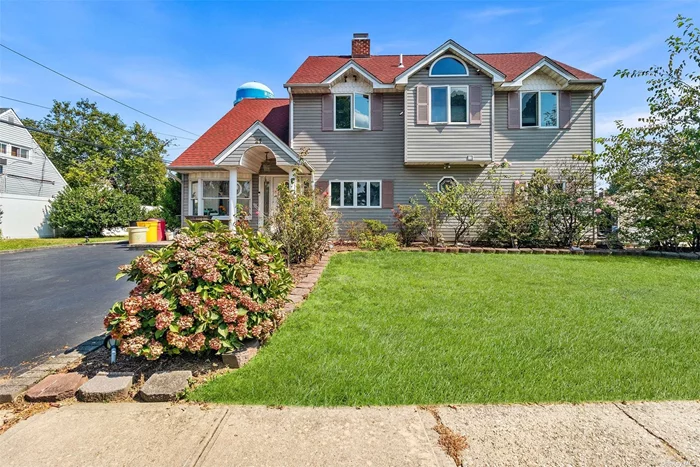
{"x":635,"y":434}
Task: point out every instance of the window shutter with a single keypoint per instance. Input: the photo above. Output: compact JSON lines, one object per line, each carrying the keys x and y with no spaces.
{"x":322,"y":186}
{"x":564,"y":109}
{"x":421,"y":104}
{"x":475,"y":104}
{"x":513,"y":110}
{"x":377,"y":112}
{"x":327,"y":112}
{"x":387,"y":194}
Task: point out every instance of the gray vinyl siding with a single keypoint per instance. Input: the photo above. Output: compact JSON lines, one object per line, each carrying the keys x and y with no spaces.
{"x":442,"y":142}
{"x":34,"y":177}
{"x":533,"y":147}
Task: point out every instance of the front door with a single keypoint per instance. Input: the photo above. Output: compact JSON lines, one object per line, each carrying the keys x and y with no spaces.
{"x":268,"y":195}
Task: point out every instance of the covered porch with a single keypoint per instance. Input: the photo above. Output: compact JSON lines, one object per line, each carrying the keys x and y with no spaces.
{"x":245,"y":177}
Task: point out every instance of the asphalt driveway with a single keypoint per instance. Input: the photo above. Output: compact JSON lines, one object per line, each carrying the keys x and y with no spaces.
{"x":54,"y":298}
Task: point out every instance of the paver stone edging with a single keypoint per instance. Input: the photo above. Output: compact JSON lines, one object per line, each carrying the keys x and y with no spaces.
{"x":56,"y":387}
{"x":104,"y":387}
{"x":691,"y":256}
{"x":165,"y":386}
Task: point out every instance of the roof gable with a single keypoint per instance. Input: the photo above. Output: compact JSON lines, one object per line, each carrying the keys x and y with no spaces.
{"x":272,"y":113}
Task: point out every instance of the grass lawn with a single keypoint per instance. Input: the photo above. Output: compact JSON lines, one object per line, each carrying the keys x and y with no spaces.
{"x":426,"y":328}
{"x":24,"y":243}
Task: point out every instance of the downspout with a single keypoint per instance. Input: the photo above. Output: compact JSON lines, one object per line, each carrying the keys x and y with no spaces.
{"x":595,"y":190}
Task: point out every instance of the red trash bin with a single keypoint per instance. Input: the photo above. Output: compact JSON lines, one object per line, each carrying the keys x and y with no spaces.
{"x":161,"y":228}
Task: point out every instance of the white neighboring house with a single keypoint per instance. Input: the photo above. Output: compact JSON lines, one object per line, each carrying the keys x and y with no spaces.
{"x":28,"y":181}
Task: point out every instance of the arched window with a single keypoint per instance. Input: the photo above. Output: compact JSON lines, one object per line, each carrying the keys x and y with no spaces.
{"x":448,"y":66}
{"x":445,"y":183}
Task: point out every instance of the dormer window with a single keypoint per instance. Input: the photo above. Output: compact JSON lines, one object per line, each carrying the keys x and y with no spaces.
{"x":539,"y":109}
{"x":352,"y":111}
{"x":448,"y":66}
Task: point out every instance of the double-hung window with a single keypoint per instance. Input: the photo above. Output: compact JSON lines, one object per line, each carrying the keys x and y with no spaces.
{"x":356,"y":194}
{"x":539,"y":109}
{"x":215,"y":197}
{"x":449,"y":104}
{"x":352,"y":111}
{"x":194,"y":196}
{"x":15,"y":151}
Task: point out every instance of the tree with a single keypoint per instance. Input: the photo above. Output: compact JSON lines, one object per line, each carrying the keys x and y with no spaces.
{"x":170,"y":202}
{"x":103,"y":150}
{"x":664,"y":149}
{"x":87,"y":211}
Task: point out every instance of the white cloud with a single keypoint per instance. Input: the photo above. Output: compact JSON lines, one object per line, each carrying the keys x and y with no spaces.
{"x":617,"y":55}
{"x":498,"y":12}
{"x":605,"y":123}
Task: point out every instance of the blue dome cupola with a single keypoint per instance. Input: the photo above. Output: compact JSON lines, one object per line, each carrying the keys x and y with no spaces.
{"x":252,"y":89}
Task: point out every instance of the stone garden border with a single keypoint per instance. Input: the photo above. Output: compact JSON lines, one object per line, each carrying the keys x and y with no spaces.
{"x":558,"y":251}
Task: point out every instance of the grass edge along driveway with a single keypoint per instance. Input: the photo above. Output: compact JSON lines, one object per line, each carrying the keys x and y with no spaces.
{"x":18,"y":244}
{"x":425,"y":328}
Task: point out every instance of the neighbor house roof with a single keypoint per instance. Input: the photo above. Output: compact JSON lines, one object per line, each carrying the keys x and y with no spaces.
{"x":385,"y":68}
{"x":273,"y":113}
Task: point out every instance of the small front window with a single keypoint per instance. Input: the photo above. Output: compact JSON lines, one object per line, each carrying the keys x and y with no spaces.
{"x":539,"y":109}
{"x":193,"y":195}
{"x":548,"y":112}
{"x":352,"y":111}
{"x":448,"y":66}
{"x":3,"y":148}
{"x":438,"y":104}
{"x":362,"y":111}
{"x":355,"y":194}
{"x":215,"y":198}
{"x":342,"y":112}
{"x":458,"y":105}
{"x":529,"y":108}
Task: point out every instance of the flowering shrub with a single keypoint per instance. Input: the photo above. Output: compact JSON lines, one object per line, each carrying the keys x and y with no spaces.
{"x":208,"y":291}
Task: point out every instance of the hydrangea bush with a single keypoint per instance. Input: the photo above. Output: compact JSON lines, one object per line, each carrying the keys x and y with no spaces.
{"x":209,"y":290}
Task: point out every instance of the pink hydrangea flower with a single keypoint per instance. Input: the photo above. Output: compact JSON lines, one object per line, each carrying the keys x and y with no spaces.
{"x":598,"y":211}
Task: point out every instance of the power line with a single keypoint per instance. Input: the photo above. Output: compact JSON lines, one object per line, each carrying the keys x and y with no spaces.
{"x":49,"y":108}
{"x":25,"y":102}
{"x":95,"y":90}
{"x":76,"y":140}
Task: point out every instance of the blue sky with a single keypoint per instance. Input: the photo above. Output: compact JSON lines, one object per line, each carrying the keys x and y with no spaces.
{"x":182,"y":61}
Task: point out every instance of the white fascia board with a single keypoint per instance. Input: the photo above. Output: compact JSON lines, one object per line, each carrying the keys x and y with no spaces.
{"x":543,"y":63}
{"x":460,"y":52}
{"x":258,"y":125}
{"x":352,"y":65}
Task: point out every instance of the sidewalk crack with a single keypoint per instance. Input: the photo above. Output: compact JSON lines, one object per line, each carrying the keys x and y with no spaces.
{"x":212,"y":439}
{"x":668,"y":445}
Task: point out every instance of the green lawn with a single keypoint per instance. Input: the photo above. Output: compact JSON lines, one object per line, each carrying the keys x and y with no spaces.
{"x":426,"y":328}
{"x":24,"y":243}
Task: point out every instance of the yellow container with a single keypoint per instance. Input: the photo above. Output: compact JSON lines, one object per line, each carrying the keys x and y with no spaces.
{"x":137,"y":235}
{"x":152,"y":234}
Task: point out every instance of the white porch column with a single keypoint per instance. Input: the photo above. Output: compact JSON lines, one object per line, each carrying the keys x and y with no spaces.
{"x":293,"y":181}
{"x":200,"y":197}
{"x":232,"y":196}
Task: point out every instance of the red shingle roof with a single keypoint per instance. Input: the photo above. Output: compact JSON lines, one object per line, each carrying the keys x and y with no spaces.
{"x":385,"y":67}
{"x":273,"y":113}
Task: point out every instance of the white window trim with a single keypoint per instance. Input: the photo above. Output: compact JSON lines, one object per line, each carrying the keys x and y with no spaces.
{"x":449,"y":177}
{"x":18,"y":158}
{"x":466,"y":68}
{"x":200,"y":196}
{"x":342,"y":197}
{"x":352,"y":112}
{"x":539,"y":108}
{"x":465,"y":87}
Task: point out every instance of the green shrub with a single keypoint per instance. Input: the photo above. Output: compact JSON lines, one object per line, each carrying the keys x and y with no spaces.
{"x":409,"y":221}
{"x":371,"y":234}
{"x":88,"y":210}
{"x":509,"y":221}
{"x":208,"y":291}
{"x":385,"y":242}
{"x":302,"y":223}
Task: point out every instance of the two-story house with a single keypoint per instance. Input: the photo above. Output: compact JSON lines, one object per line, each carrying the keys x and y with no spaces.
{"x":374,"y":129}
{"x":28,"y":181}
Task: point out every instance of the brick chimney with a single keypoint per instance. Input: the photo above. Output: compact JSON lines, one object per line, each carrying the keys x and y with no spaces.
{"x":360,"y":45}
